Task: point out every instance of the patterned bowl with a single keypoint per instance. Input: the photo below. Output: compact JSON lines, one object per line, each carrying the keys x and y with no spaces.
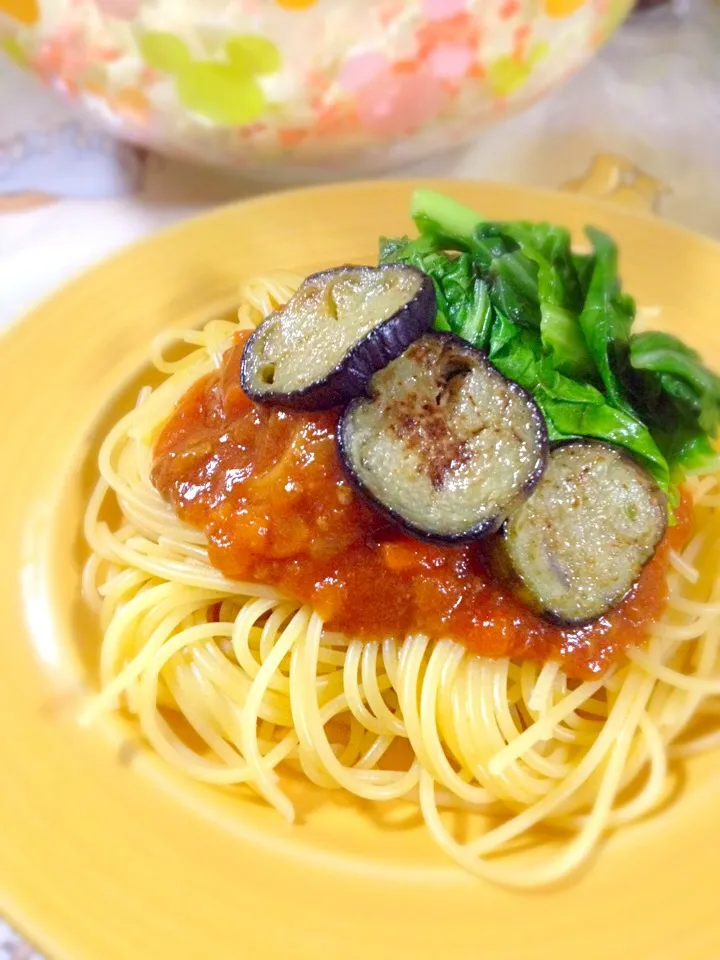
{"x":288,"y":88}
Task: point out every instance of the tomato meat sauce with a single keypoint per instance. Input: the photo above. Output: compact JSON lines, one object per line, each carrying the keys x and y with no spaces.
{"x":267,"y":487}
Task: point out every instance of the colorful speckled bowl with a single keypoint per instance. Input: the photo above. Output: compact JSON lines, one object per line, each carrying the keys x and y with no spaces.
{"x":284,"y":86}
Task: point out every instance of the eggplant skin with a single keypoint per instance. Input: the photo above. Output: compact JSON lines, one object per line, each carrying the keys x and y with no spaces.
{"x":341,"y":326}
{"x":577,"y":546}
{"x":443,"y":444}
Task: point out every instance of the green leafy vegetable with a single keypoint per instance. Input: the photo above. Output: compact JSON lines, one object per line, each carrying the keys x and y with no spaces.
{"x":679,"y":396}
{"x":562,"y":337}
{"x":583,"y":264}
{"x":680,"y":374}
{"x":558,"y":323}
{"x":606,"y":318}
{"x":463,"y":298}
{"x":391,"y":247}
{"x":571,"y":408}
{"x":514,"y":289}
{"x":437,"y":214}
{"x":560,"y":303}
{"x":477,"y":323}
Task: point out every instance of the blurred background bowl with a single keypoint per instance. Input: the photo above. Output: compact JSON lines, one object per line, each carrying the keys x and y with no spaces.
{"x":294,"y":89}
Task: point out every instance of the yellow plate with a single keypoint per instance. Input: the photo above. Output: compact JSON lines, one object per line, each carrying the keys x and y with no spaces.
{"x":105,"y":853}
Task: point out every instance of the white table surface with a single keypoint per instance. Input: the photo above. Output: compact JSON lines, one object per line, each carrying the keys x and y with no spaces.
{"x":652,"y":97}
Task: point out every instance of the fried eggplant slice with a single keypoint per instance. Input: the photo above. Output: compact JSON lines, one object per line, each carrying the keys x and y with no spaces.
{"x":580,"y":541}
{"x":337,"y":330}
{"x":444,"y":444}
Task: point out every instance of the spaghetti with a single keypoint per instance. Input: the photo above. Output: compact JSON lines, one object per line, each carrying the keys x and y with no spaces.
{"x":264,"y":687}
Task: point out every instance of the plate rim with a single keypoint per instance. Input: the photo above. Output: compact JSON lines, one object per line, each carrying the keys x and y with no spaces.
{"x":575,"y":197}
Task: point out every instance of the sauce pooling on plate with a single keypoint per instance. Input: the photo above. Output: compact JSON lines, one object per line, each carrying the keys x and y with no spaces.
{"x":267,"y":487}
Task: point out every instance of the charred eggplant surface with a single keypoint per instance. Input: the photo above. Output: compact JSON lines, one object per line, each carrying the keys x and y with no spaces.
{"x":338,"y":329}
{"x":444,"y":444}
{"x":579,"y":543}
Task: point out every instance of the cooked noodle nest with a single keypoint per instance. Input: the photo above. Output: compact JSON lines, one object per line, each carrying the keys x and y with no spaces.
{"x":266,"y":690}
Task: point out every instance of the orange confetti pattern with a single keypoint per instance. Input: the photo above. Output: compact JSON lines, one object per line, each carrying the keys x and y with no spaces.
{"x":312,"y":79}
